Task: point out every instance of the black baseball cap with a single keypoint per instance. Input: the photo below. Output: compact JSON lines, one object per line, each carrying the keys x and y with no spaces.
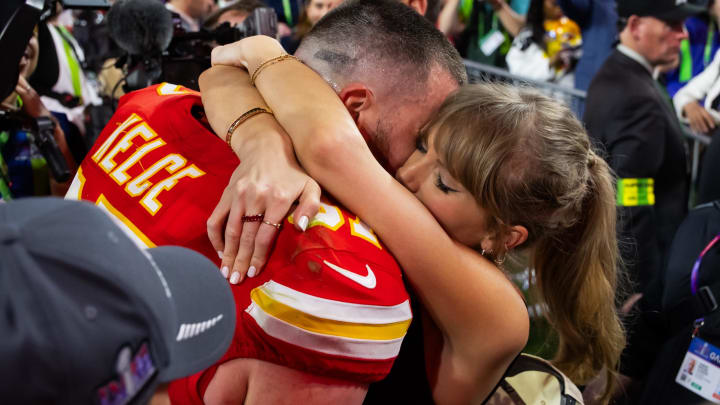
{"x":90,"y":318}
{"x":666,"y":10}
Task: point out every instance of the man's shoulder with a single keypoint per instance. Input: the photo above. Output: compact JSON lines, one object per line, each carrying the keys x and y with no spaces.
{"x":616,"y":87}
{"x":617,"y":71}
{"x":163,"y":95}
{"x":338,"y":257}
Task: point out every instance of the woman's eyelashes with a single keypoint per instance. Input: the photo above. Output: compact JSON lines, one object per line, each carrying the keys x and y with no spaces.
{"x":420,"y":145}
{"x":442,"y":186}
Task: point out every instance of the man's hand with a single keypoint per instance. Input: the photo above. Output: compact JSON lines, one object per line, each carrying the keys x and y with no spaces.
{"x":700,"y":120}
{"x":259,"y":186}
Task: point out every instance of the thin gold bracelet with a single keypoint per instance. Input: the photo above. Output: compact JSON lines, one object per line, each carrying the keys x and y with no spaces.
{"x":270,"y":62}
{"x":246,"y":116}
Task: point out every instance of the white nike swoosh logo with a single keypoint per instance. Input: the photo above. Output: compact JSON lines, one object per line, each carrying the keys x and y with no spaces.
{"x":368,"y":281}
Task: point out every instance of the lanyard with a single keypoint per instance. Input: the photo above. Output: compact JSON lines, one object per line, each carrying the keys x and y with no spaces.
{"x":5,"y":181}
{"x":73,"y":63}
{"x":696,"y":266}
{"x":709,"y":42}
{"x":288,"y":12}
{"x":694,"y":282}
{"x":686,"y":63}
{"x":466,"y":7}
{"x":481,"y":24}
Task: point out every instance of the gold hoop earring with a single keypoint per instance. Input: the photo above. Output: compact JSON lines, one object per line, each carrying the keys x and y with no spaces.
{"x":500,"y":261}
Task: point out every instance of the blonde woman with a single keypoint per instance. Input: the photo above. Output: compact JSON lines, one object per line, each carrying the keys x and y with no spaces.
{"x":497,"y":168}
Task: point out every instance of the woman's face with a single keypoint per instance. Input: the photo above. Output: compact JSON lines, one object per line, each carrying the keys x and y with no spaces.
{"x":316,"y":9}
{"x":425,"y":175}
{"x":551,"y":10}
{"x":28,"y":62}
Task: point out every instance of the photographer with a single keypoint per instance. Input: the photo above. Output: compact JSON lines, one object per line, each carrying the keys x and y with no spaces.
{"x":23,"y":169}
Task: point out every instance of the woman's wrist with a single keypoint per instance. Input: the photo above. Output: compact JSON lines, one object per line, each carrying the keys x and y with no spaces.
{"x":247,"y":53}
{"x":261,"y":51}
{"x":261,"y":133}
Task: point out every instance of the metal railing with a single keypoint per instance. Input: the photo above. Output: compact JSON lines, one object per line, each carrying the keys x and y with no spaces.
{"x":575,"y":100}
{"x":695,"y":140}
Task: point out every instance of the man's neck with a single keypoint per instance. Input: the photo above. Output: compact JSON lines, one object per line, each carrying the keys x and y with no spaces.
{"x":630,"y":52}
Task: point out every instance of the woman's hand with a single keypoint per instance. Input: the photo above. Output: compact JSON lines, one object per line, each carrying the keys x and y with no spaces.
{"x":267,"y":182}
{"x":32,"y":105}
{"x":700,"y":120}
{"x":247,"y":53}
{"x":261,"y":185}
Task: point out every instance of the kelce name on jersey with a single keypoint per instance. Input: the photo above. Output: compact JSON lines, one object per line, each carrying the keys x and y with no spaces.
{"x":175,"y":165}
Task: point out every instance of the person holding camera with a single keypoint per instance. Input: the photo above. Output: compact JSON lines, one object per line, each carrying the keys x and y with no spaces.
{"x":191,"y":12}
{"x":23,"y":168}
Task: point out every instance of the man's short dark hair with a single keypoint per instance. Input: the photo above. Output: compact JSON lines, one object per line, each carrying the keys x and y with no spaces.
{"x":385,"y":33}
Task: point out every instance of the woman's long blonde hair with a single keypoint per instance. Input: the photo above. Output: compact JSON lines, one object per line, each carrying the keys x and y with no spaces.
{"x":528,"y":161}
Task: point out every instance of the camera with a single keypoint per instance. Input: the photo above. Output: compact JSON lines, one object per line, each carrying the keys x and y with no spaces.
{"x":40,"y":131}
{"x":18,"y":18}
{"x":188,"y":53}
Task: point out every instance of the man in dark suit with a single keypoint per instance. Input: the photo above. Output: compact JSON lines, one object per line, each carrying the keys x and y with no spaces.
{"x":630,"y":116}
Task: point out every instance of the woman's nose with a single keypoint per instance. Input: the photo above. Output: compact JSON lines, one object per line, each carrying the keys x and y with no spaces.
{"x":410,"y":174}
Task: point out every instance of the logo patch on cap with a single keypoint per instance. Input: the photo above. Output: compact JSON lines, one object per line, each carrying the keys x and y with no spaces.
{"x":189,"y":330}
{"x":134,"y":371}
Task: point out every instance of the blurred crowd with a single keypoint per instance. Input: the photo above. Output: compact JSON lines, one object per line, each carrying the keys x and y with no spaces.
{"x":652,"y":81}
{"x":76,"y":69}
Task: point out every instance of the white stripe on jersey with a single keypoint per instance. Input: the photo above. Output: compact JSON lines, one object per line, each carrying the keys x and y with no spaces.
{"x":334,"y":345}
{"x":337,"y":310}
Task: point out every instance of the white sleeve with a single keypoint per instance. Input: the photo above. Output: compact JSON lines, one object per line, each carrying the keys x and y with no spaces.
{"x":530,"y":62}
{"x":697,"y":88}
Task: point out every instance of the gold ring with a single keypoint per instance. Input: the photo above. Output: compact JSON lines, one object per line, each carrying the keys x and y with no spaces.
{"x":266,"y":222}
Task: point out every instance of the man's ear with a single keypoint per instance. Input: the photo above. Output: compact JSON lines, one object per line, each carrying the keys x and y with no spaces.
{"x":517,"y":235}
{"x":633,"y":24}
{"x":418,"y":5}
{"x":357,"y":97}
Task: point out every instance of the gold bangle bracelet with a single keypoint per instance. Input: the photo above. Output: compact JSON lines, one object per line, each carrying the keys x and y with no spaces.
{"x":247,"y":115}
{"x":268,"y":63}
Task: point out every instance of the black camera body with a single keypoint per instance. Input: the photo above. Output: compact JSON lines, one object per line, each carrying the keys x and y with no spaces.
{"x":41,"y":133}
{"x":188,"y":54}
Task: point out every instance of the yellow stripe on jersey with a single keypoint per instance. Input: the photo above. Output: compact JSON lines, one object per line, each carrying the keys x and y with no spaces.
{"x":121,"y":220}
{"x":315,"y":324}
{"x":335,"y":345}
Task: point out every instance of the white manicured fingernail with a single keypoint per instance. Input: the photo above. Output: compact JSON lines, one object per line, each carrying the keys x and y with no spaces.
{"x":225,"y":271}
{"x":251,"y":271}
{"x":220,"y":254}
{"x":235,"y":278}
{"x":303,"y":222}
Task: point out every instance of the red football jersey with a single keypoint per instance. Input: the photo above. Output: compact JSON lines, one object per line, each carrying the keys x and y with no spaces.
{"x":330,"y":301}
